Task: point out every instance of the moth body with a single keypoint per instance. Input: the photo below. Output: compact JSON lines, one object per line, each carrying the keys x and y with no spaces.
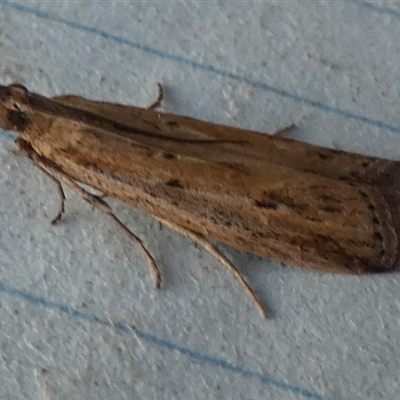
{"x":294,"y":202}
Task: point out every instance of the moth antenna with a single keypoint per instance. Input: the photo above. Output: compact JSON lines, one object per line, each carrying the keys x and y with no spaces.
{"x":96,"y":201}
{"x":159,"y":99}
{"x":221,"y":258}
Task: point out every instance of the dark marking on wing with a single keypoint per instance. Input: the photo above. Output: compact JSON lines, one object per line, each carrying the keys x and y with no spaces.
{"x":169,"y":156}
{"x":324,"y":156}
{"x":332,"y":209}
{"x":174,"y":183}
{"x":266,"y":204}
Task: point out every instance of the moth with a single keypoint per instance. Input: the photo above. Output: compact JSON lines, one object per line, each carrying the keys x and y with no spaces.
{"x":298,"y":203}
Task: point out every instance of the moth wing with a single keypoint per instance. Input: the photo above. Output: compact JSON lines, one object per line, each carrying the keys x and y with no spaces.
{"x":251,"y":148}
{"x":255,"y":194}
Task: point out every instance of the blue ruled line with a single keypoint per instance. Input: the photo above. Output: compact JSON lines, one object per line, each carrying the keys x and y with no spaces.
{"x":148,"y":337}
{"x":204,"y":67}
{"x":153,"y":339}
{"x":377,"y":8}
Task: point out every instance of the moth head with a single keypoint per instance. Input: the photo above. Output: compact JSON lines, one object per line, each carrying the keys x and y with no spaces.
{"x":14,"y":100}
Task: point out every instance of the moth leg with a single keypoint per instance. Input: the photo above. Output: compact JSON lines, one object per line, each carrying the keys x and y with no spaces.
{"x":13,"y":152}
{"x":61,"y":196}
{"x":196,"y":237}
{"x":284,"y":131}
{"x":60,"y":177}
{"x":101,"y":205}
{"x":159,"y":99}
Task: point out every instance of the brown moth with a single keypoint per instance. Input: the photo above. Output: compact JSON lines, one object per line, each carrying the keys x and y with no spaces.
{"x":290,"y":201}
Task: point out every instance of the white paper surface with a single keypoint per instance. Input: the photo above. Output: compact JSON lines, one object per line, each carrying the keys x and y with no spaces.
{"x":329,"y":67}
